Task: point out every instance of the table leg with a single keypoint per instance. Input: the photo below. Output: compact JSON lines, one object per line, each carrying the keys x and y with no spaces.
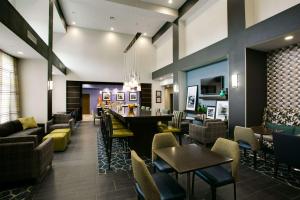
{"x":188,"y":182}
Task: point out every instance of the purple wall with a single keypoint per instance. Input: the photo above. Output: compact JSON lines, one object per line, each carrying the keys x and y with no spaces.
{"x":94,"y":92}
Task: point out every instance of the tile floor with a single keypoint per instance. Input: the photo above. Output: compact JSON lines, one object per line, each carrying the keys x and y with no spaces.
{"x":75,"y":176}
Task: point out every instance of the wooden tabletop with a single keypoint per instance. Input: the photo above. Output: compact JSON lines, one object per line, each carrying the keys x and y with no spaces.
{"x":187,"y":158}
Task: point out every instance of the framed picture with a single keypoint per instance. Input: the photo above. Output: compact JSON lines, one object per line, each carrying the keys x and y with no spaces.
{"x":106,"y":96}
{"x":211,"y":112}
{"x":158,"y":93}
{"x":158,"y":99}
{"x":120,"y":96}
{"x":222,"y":110}
{"x":132,"y":96}
{"x":191,"y":98}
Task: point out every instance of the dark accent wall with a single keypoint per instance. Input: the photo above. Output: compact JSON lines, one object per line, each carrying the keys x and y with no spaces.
{"x":283,"y":78}
{"x":256,"y":88}
{"x":145,"y":94}
{"x":234,"y":49}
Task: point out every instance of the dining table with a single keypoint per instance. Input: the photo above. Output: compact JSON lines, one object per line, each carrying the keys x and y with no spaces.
{"x":188,"y":158}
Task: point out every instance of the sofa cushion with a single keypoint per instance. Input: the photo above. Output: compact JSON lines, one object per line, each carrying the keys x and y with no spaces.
{"x":297,"y":130}
{"x":28,"y":122}
{"x":287,"y":129}
{"x":10,"y":127}
{"x":61,"y":118}
{"x":32,"y":131}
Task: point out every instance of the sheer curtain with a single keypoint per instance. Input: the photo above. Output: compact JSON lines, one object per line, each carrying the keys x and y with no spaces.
{"x":9,"y":91}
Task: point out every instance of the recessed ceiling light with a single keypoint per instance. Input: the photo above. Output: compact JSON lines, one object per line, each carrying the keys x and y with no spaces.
{"x":289,"y":37}
{"x":20,"y":52}
{"x":145,"y":34}
{"x":74,"y":23}
{"x":170,"y":1}
{"x":112,"y":28}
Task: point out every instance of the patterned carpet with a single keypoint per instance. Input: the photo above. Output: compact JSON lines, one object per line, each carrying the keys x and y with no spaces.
{"x":22,"y":193}
{"x":267,"y":168}
{"x":120,"y":161}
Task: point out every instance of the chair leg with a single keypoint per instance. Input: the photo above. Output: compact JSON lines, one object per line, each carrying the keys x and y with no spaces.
{"x":254,"y":158}
{"x":276,"y":169}
{"x":176,"y":175}
{"x":193,"y":182}
{"x":180,"y":139}
{"x":245,"y":152}
{"x":234,"y":190}
{"x":110,"y":150}
{"x":213,"y":193}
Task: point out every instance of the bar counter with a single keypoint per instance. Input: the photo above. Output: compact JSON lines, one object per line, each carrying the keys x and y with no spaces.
{"x":143,"y":124}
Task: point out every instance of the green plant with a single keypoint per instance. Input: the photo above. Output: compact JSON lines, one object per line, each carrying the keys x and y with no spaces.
{"x":201,"y":109}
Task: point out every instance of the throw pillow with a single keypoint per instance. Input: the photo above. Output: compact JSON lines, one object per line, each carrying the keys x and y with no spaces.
{"x":28,"y":122}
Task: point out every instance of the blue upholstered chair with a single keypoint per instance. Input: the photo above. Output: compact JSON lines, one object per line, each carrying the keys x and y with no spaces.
{"x":218,"y":176}
{"x":156,"y":186}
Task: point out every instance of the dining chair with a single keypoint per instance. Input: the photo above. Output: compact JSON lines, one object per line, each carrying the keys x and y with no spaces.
{"x":121,"y":134}
{"x":247,"y":141}
{"x":162,"y":140}
{"x":156,"y":186}
{"x":218,"y":176}
{"x":286,"y":148}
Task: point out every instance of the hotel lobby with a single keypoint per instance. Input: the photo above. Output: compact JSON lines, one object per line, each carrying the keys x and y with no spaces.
{"x":149,"y":99}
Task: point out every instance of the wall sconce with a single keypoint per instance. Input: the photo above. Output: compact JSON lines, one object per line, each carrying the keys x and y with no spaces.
{"x":175,"y":88}
{"x":50,"y":85}
{"x":234,"y":80}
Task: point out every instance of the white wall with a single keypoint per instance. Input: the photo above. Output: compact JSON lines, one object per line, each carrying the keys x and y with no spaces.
{"x":164,"y":50}
{"x":33,"y":88}
{"x":259,"y":10}
{"x":204,"y":25}
{"x":59,"y":94}
{"x":98,"y":55}
{"x":36,"y":13}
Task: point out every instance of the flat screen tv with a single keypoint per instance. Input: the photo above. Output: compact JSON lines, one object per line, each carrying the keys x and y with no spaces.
{"x":212,"y":86}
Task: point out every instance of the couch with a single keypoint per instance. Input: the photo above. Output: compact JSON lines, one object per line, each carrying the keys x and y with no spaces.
{"x":209,"y":132}
{"x":59,"y":121}
{"x":22,"y":154}
{"x":15,"y":129}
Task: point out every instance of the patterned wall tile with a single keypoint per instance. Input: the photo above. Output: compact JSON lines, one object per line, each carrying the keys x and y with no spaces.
{"x":283,"y":78}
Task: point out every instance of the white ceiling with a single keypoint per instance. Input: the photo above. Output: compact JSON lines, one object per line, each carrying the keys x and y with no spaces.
{"x":175,"y":5}
{"x":11,"y":44}
{"x":95,"y":14}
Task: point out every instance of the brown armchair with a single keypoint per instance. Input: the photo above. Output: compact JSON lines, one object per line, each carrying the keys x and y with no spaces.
{"x":209,"y":132}
{"x":22,"y":158}
{"x":60,"y":121}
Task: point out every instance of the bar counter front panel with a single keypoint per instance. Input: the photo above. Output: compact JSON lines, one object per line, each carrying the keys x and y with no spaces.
{"x":143,"y":124}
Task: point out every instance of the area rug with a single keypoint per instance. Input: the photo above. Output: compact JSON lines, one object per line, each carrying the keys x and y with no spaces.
{"x":119,"y":160}
{"x":267,"y":168}
{"x":22,"y":193}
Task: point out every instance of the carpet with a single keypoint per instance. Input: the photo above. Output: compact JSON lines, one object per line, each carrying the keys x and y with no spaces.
{"x":267,"y":168}
{"x":22,"y":193}
{"x":119,"y":160}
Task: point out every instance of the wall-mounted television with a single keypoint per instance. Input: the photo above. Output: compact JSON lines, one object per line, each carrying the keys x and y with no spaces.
{"x":212,"y":86}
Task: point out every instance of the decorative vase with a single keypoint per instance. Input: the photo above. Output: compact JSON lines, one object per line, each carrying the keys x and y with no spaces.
{"x":130,"y":109}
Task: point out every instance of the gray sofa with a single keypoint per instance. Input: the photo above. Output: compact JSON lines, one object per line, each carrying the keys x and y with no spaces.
{"x":22,"y":154}
{"x":60,"y":121}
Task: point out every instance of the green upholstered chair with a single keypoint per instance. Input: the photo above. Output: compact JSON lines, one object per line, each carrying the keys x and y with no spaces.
{"x":174,"y":126}
{"x":156,"y":186}
{"x":122,"y":134}
{"x":162,"y":140}
{"x":218,"y":176}
{"x":247,"y":141}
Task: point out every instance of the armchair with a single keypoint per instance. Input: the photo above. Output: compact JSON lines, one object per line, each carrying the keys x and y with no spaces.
{"x":209,"y":132}
{"x":60,"y":121}
{"x":22,"y":158}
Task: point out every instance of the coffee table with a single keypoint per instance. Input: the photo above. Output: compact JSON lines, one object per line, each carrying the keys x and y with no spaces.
{"x":188,"y":158}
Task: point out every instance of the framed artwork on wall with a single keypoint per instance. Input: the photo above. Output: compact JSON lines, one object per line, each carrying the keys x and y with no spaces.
{"x":132,"y":96}
{"x":158,"y":99}
{"x":158,"y":96}
{"x":211,"y":112}
{"x":120,"y":96}
{"x":106,"y":96}
{"x":158,"y":93}
{"x":222,"y":110}
{"x":191,"y":98}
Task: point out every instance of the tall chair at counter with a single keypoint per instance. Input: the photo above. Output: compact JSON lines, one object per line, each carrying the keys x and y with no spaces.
{"x":121,"y":134}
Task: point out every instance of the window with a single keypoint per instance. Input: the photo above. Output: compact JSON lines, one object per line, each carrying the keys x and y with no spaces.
{"x":9,"y":94}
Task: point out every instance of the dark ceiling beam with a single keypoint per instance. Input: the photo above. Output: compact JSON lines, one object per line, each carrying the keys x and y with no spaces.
{"x":58,"y":64}
{"x":61,"y":14}
{"x":181,"y":11}
{"x":136,"y":37}
{"x":13,"y":20}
